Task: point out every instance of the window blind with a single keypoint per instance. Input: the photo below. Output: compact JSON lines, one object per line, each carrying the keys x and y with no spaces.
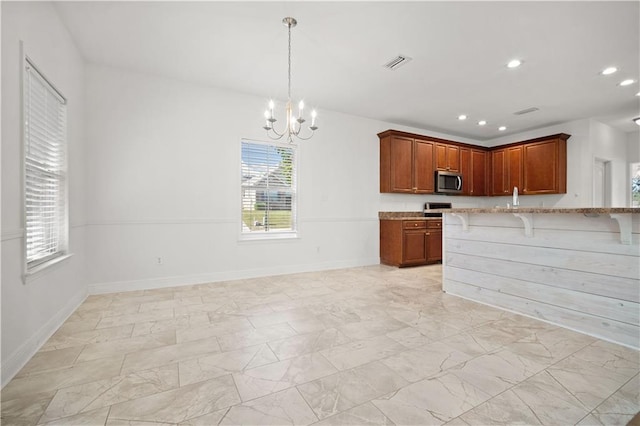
{"x":45,"y":169}
{"x":268,"y":188}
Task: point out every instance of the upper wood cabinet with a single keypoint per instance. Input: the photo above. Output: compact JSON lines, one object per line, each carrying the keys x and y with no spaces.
{"x":473,"y":167}
{"x":447,"y":157}
{"x":545,"y":166}
{"x":406,"y":165}
{"x":536,"y":166}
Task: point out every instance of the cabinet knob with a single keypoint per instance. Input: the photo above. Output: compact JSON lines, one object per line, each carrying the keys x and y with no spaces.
{"x":415,"y":224}
{"x":427,"y":234}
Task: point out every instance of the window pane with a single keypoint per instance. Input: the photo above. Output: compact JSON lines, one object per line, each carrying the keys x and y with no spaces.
{"x":45,"y":169}
{"x":268,"y":188}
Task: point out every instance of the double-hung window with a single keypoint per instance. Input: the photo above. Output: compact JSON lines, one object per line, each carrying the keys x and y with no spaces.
{"x":45,"y":170}
{"x":268,"y":187}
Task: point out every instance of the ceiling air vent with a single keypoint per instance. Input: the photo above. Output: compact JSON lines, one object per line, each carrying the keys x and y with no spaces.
{"x":397,"y":62}
{"x":526,"y":111}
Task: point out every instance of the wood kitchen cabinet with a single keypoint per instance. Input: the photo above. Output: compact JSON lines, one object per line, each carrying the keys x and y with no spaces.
{"x":473,"y":167}
{"x":447,"y":157}
{"x":410,"y":242}
{"x":545,"y":166}
{"x":506,"y":170}
{"x":406,"y":164}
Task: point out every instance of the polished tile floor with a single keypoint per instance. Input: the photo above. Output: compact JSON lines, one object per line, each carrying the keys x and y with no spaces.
{"x":366,"y":346}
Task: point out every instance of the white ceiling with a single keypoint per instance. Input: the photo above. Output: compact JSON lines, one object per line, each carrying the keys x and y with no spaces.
{"x":459,"y":52}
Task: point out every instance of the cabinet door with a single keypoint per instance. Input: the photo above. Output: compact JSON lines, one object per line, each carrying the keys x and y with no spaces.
{"x":453,"y":158}
{"x":514,"y":165}
{"x":423,"y":177}
{"x":498,"y":176}
{"x":414,"y":247}
{"x":541,"y":168}
{"x":401,"y":159}
{"x":478,"y":173}
{"x":466,"y":171}
{"x":434,"y":238}
{"x":440,"y":156}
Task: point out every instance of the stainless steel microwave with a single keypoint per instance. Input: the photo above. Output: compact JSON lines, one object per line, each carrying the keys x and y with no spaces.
{"x":448,"y":182}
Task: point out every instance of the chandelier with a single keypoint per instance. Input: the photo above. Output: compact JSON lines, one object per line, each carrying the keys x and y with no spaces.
{"x":294,"y":124}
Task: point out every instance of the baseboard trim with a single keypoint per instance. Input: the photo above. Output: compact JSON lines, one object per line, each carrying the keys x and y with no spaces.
{"x":184,"y":280}
{"x":18,"y":359}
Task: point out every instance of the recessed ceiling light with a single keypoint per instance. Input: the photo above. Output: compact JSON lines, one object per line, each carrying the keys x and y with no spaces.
{"x":462,"y":117}
{"x":482,"y":122}
{"x":637,"y":120}
{"x":627,"y":82}
{"x":502,"y":128}
{"x":609,"y":70}
{"x":638,"y":94}
{"x":514,"y":63}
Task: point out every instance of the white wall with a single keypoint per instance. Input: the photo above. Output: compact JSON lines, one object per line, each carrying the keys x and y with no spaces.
{"x":32,"y":311}
{"x":163,"y":173}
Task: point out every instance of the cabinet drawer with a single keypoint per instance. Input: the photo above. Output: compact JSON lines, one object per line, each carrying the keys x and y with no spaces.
{"x":414,"y":224}
{"x":434,"y":224}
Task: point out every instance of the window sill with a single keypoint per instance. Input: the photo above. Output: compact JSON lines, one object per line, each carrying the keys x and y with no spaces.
{"x":37,"y":271}
{"x":269,"y":237}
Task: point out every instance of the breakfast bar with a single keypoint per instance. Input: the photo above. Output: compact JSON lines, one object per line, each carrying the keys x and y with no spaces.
{"x":574,"y":267}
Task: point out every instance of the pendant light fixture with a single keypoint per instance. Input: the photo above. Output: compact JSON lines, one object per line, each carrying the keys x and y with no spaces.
{"x":294,"y":124}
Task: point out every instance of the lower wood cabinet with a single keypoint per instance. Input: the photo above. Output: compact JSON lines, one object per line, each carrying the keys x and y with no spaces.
{"x":410,"y":242}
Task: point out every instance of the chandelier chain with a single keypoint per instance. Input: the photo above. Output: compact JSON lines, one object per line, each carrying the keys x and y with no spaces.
{"x":289,"y":71}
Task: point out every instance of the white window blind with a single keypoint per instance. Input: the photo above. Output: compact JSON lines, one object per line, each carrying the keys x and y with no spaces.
{"x":268,"y":188}
{"x":45,"y":169}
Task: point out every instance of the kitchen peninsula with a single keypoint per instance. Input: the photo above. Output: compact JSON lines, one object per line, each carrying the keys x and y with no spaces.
{"x":578,"y":268}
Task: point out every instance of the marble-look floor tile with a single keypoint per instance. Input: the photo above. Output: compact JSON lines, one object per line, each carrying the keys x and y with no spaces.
{"x":306,"y":343}
{"x":50,"y":380}
{"x":425,"y":361}
{"x":26,"y":410}
{"x":125,"y":319}
{"x":90,"y":418}
{"x":180,"y":322}
{"x":50,"y":360}
{"x":371,"y":328}
{"x":281,"y":408}
{"x":103,"y":393}
{"x":125,"y":346}
{"x":219,"y":364}
{"x":210,"y":419}
{"x":150,"y":358}
{"x":504,"y":409}
{"x":549,"y":347}
{"x":214,"y":330}
{"x":363,"y":415}
{"x":409,"y":337}
{"x":64,"y":339}
{"x":348,"y":389}
{"x":431,"y":401}
{"x":274,"y":377}
{"x":119,"y":422}
{"x":362,"y":352}
{"x":622,"y":406}
{"x":549,"y":400}
{"x":242,"y":339}
{"x":170,"y":303}
{"x":590,"y":382}
{"x":280,"y":317}
{"x":179,"y":405}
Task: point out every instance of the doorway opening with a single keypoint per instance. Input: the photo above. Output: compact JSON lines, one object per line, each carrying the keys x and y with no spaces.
{"x":602,"y":183}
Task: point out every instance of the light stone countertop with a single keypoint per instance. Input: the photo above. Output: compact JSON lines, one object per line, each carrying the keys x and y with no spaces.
{"x":578,"y":210}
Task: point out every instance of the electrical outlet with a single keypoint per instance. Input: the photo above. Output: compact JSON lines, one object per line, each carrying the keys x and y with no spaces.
{"x":158,"y":260}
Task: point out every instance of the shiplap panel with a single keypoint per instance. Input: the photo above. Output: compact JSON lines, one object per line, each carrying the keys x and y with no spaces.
{"x":611,"y":330}
{"x":605,"y":307}
{"x":599,"y":263}
{"x":597,"y":242}
{"x":573,"y":271}
{"x":602,"y":223}
{"x":604,"y":285}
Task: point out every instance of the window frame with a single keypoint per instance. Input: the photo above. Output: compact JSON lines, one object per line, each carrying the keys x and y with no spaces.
{"x":33,"y":267}
{"x":271,"y":235}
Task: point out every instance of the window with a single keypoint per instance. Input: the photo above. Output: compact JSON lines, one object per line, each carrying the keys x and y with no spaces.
{"x":268,"y":190}
{"x":635,"y":184}
{"x":45,"y":170}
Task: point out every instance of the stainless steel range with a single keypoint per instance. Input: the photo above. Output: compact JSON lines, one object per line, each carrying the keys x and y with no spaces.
{"x":435,"y":206}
